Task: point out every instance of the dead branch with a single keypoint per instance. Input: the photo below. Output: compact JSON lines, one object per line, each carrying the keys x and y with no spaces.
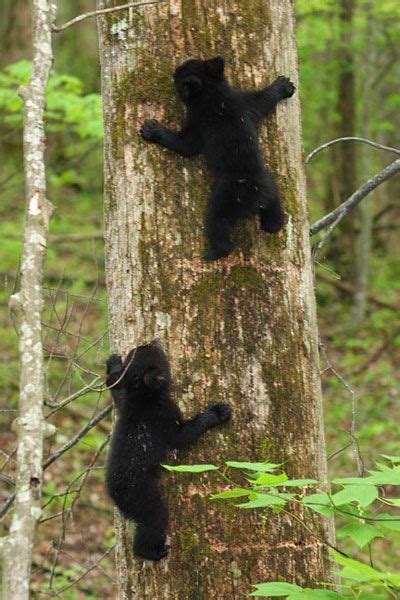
{"x":89,"y":425}
{"x":336,"y":216}
{"x":102,"y":11}
{"x":351,"y":139}
{"x":351,"y":392}
{"x":68,"y":512}
{"x":27,"y":307}
{"x":56,"y":455}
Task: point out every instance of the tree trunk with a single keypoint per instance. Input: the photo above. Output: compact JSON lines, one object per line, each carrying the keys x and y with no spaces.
{"x":27,"y":305}
{"x":363,"y":242}
{"x":241,"y":330}
{"x":344,"y":177}
{"x":346,"y":153}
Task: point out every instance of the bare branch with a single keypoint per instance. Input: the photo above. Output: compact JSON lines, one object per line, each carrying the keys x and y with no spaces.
{"x":351,"y":139}
{"x":72,"y":397}
{"x":27,"y":306}
{"x":53,"y":457}
{"x":89,"y":425}
{"x":69,"y":511}
{"x":334,"y":217}
{"x":352,"y":432}
{"x":102,"y":11}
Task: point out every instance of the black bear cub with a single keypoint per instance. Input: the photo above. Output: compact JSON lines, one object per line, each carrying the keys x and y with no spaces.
{"x":221,"y":123}
{"x":148,"y":425}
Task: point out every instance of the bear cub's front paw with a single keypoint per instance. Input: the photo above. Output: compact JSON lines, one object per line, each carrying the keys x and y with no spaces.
{"x":222,"y":411}
{"x":151,"y":130}
{"x":286,"y":87}
{"x":114,"y":363}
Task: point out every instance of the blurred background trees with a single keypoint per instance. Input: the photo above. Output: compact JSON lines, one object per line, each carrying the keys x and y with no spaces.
{"x":349,"y":74}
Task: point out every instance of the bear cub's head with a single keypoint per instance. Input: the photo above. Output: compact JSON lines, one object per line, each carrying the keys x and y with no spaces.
{"x":145,"y":369}
{"x":196,"y":77}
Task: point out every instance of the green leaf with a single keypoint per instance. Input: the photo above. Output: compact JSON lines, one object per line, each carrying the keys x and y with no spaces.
{"x":362,"y":534}
{"x":300,"y":482}
{"x":362,"y":494}
{"x":261,"y":467}
{"x":393,"y":459}
{"x":262,"y":500}
{"x":316,"y":594}
{"x":388,"y":522}
{"x":350,"y":480}
{"x":190,"y":468}
{"x":275,"y":588}
{"x":320,"y":503}
{"x":270,"y":479}
{"x":234,"y":493}
{"x":391,"y":477}
{"x":356,"y":570}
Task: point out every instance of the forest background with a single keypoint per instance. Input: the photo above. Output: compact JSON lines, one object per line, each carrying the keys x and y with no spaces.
{"x":349,"y":76}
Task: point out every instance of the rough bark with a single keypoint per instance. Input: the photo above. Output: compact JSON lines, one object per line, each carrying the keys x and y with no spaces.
{"x":27,"y":306}
{"x":242,"y":330}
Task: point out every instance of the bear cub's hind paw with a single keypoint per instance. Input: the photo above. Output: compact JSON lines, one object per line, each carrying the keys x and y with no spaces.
{"x":152,"y":553}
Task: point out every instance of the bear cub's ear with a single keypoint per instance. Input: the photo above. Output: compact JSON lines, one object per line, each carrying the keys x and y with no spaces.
{"x":215,"y":66}
{"x":154,"y":379}
{"x":191,"y":86}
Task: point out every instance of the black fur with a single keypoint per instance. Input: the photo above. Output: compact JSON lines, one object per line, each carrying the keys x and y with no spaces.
{"x":148,"y":425}
{"x":221,"y":124}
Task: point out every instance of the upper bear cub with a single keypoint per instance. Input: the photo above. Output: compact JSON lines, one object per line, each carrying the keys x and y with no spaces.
{"x":221,"y":124}
{"x":148,"y":424}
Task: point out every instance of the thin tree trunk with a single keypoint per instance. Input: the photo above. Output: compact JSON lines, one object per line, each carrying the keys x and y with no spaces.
{"x":27,"y":307}
{"x":346,"y":153}
{"x":363,"y":243}
{"x":241,"y":330}
{"x":344,"y":177}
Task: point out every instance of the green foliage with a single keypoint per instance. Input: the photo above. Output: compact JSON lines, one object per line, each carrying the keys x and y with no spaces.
{"x":358,"y":500}
{"x":67,"y":108}
{"x":190,"y":468}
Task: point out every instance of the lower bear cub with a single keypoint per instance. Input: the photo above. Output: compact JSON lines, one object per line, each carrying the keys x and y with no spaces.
{"x":148,"y":425}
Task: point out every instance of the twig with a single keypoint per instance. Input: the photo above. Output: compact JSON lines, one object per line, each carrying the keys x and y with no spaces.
{"x":102,"y":11}
{"x":334,"y":217}
{"x":92,"y":423}
{"x":337,"y":452}
{"x":69,"y":511}
{"x":85,"y":390}
{"x":350,"y":139}
{"x":83,"y":575}
{"x":89,"y":425}
{"x":352,"y":432}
